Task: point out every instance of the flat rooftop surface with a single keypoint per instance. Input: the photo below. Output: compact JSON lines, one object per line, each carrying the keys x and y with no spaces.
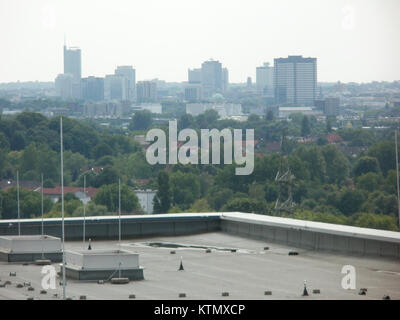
{"x":245,"y":274}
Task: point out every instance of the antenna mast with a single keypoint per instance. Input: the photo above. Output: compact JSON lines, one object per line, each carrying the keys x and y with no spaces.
{"x":284,"y":178}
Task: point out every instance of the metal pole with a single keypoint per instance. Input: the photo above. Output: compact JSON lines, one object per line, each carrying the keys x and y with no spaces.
{"x":42,"y":205}
{"x":84,"y":210}
{"x":397,"y":178}
{"x":119,"y":211}
{"x":19,"y":224}
{"x":62,"y":209}
{"x":42,"y":216}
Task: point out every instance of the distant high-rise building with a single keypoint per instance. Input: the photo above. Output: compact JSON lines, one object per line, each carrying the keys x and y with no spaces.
{"x":130,"y":74}
{"x":92,"y":89}
{"x":116,"y":87}
{"x":211,"y":78}
{"x":193,"y":92}
{"x":331,"y":107}
{"x":295,"y":80}
{"x":249,"y":83}
{"x":73,"y":66}
{"x":225,"y":80}
{"x":265,"y":79}
{"x":64,"y":85}
{"x":194,"y":75}
{"x":146,"y":91}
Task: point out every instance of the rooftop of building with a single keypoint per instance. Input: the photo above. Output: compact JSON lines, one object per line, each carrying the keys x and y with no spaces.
{"x":245,"y":274}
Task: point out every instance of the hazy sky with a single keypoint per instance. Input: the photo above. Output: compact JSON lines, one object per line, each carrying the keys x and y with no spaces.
{"x":353,"y":40}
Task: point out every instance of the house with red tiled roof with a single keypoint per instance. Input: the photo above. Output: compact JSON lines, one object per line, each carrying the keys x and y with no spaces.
{"x":55,"y":193}
{"x":333,"y":138}
{"x":28,"y":185}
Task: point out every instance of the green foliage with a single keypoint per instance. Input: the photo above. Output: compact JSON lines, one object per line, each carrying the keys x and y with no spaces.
{"x":30,"y":204}
{"x":384,"y":151}
{"x":318,"y":216}
{"x":200,"y":205}
{"x":246,"y":205}
{"x":365,"y":165}
{"x":350,"y":201}
{"x":92,"y":209}
{"x":185,"y":189}
{"x":305,"y":126}
{"x":218,"y":197}
{"x":337,"y":165}
{"x":107,"y":196}
{"x":376,"y":221}
{"x":141,"y":120}
{"x":162,"y":200}
{"x":369,"y":181}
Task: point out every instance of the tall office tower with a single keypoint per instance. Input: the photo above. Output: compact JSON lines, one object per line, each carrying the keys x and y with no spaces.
{"x":130,"y":74}
{"x":116,"y":87}
{"x":92,"y":89}
{"x":194,"y":75}
{"x":63,"y":85}
{"x":211,"y":78}
{"x":73,"y":66}
{"x":146,"y":91}
{"x":295,"y":80}
{"x":265,"y":79}
{"x":225,"y":80}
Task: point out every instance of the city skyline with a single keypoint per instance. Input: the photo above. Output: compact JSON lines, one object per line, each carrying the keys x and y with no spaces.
{"x":354,"y":41}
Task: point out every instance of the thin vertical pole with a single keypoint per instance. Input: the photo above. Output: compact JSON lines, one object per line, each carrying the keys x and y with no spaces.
{"x":119,"y":211}
{"x":62,"y":209}
{"x":397,"y":178}
{"x":42,"y":206}
{"x":84,"y":210}
{"x":19,"y":224}
{"x":41,"y":188}
{"x":119,"y":226}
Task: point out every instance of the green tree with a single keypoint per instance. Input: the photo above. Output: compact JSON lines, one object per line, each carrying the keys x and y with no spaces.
{"x":107,"y":196}
{"x":337,"y":165}
{"x":350,"y":201}
{"x":376,"y":221}
{"x":162,"y":200}
{"x":141,"y":120}
{"x":200,"y":205}
{"x":369,"y":181}
{"x":217,"y":197}
{"x":270,"y":115}
{"x":92,"y":209}
{"x":185,"y":189}
{"x":246,"y":205}
{"x":365,"y":165}
{"x":384,"y":151}
{"x":305,"y":127}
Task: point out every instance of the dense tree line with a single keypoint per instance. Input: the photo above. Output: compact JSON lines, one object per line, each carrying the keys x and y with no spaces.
{"x":330,"y":185}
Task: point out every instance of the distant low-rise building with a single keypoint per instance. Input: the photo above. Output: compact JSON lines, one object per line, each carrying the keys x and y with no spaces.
{"x":146,"y":199}
{"x":152,"y":107}
{"x":105,"y":109}
{"x":285,"y":112}
{"x":55,"y":193}
{"x":224,"y":109}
